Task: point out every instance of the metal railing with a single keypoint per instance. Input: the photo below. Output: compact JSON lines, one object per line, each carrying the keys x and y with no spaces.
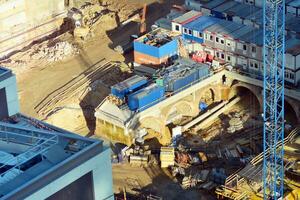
{"x":38,"y":142}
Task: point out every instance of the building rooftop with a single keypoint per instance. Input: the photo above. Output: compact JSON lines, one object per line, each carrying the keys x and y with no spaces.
{"x":35,"y":153}
{"x":295,"y":3}
{"x":242,"y":10}
{"x":213,"y":4}
{"x":158,"y":37}
{"x":224,"y":27}
{"x":240,"y":32}
{"x":187,"y":17}
{"x":201,"y":23}
{"x":226,"y":5}
{"x":293,"y":46}
{"x":4,"y":73}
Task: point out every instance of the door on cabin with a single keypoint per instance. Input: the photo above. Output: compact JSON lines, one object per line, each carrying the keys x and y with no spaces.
{"x":3,"y":104}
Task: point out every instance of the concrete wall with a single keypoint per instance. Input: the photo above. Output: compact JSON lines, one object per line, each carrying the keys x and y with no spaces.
{"x":12,"y":102}
{"x":101,"y":168}
{"x":22,"y":21}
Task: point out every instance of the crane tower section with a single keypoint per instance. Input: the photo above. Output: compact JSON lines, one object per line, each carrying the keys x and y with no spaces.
{"x":274,"y":61}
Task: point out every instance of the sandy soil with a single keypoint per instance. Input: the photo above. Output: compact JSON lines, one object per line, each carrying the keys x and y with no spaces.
{"x":152,"y":180}
{"x":38,"y":78}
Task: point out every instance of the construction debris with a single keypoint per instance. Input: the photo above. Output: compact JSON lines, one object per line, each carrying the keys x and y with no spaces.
{"x":60,"y":51}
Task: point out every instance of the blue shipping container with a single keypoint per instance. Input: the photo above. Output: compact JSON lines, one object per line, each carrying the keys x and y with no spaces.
{"x":128,"y":86}
{"x":168,"y":49}
{"x":146,"y":97}
{"x":203,"y":71}
{"x":177,"y":83}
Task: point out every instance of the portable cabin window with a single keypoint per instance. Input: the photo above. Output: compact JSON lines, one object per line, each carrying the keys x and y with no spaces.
{"x":244,"y":47}
{"x":222,"y":56}
{"x":217,"y":39}
{"x":190,"y":32}
{"x":228,"y":43}
{"x":211,"y":38}
{"x":253,"y":49}
{"x":255,"y":65}
{"x":240,"y":46}
{"x":185,"y":30}
{"x":177,"y":27}
{"x":228,"y":58}
{"x":222,"y":41}
{"x":200,"y":35}
{"x":218,"y":54}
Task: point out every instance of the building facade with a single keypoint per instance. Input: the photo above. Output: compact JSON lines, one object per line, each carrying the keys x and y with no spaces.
{"x":41,"y":161}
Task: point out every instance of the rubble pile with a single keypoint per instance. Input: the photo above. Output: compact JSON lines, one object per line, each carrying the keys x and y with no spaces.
{"x":59,"y":51}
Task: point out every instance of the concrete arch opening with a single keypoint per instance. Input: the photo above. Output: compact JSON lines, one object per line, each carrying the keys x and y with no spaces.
{"x":208,"y":96}
{"x":290,"y":114}
{"x":250,"y":99}
{"x":156,"y":129}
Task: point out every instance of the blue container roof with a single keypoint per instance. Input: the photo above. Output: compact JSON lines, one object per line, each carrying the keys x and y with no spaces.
{"x":242,"y":31}
{"x":225,"y":6}
{"x":145,"y":91}
{"x":213,"y":4}
{"x":255,"y":37}
{"x":187,"y":16}
{"x":201,"y":23}
{"x":224,"y":27}
{"x":295,"y":3}
{"x":129,"y":82}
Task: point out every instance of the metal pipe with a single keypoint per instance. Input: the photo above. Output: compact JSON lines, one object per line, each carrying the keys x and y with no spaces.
{"x":219,"y":112}
{"x":203,"y":116}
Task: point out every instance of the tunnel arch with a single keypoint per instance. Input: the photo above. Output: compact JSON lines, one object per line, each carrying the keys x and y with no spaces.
{"x":151,"y":122}
{"x":290,"y":112}
{"x":255,"y":98}
{"x":185,"y":108}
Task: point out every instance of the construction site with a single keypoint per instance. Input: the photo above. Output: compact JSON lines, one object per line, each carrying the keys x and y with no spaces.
{"x":149,"y":99}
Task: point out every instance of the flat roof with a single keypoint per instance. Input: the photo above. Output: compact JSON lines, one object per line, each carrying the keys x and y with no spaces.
{"x":187,"y":17}
{"x":292,"y":23}
{"x":240,"y":32}
{"x":293,"y":46}
{"x":295,"y":3}
{"x":35,"y":151}
{"x":242,"y":10}
{"x":249,"y":37}
{"x":224,"y":27}
{"x":225,"y":6}
{"x":5,"y":73}
{"x":213,"y":4}
{"x":157,"y":37}
{"x":201,"y":23}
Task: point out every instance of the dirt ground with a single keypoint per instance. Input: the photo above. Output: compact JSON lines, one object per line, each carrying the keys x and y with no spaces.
{"x":38,"y":77}
{"x":152,"y":180}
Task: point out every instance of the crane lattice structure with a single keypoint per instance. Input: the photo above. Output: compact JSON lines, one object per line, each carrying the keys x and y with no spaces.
{"x":274,"y":61}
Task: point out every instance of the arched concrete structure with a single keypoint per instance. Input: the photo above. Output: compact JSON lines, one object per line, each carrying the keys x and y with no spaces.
{"x":295,"y":106}
{"x":257,"y":91}
{"x":183,"y":107}
{"x":154,"y":123}
{"x":211,"y":92}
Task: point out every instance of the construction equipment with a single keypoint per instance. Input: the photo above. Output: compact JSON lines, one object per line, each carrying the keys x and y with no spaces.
{"x":84,"y":19}
{"x":274,"y":61}
{"x":143,"y":20}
